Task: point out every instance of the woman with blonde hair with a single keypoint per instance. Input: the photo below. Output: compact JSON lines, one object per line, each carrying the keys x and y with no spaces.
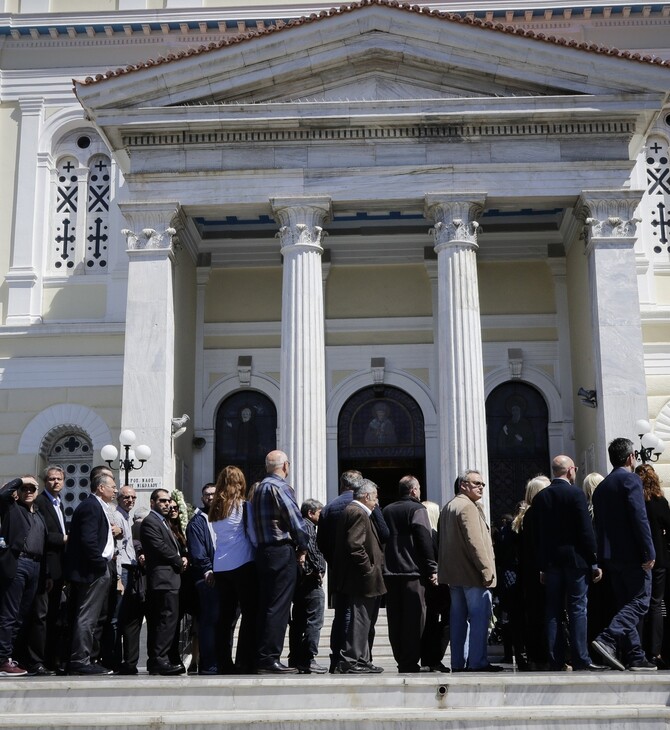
{"x":531,"y":591}
{"x":234,"y":571}
{"x":658,"y":513}
{"x":591,"y":481}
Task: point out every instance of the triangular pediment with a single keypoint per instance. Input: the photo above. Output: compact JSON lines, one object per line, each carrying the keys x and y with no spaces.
{"x":372,"y":52}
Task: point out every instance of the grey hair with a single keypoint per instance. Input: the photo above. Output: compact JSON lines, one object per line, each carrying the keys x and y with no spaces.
{"x":463,"y":476}
{"x":350,"y":480}
{"x":52,"y":467}
{"x":365,"y":487}
{"x":310,"y":505}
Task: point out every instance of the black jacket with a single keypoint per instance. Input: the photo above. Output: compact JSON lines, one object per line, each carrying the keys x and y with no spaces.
{"x":55,"y":552}
{"x":565,"y":530}
{"x":409,"y":551}
{"x":16,"y":523}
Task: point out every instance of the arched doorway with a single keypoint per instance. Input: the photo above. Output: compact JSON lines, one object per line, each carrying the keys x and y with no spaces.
{"x":246,"y":430}
{"x":380,"y":432}
{"x":518,"y":444}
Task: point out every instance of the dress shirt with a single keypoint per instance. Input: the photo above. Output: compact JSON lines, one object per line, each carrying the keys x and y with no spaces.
{"x":108,"y":552}
{"x":55,"y":501}
{"x":277,"y":518}
{"x":126,"y":547}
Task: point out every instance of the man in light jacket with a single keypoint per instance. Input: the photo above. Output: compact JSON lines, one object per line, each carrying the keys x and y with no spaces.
{"x":466,"y":563}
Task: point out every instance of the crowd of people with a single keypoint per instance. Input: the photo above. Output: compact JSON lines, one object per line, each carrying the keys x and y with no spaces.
{"x":576,"y":578}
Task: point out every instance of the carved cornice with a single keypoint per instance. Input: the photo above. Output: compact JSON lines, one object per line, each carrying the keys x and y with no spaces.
{"x":436,"y":131}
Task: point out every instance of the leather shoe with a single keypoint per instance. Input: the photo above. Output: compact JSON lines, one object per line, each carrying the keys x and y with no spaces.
{"x":40,"y":670}
{"x":606,"y":653}
{"x":276,"y":668}
{"x":165,"y":669}
{"x":591,"y":668}
{"x":85,"y":669}
{"x":126,"y":670}
{"x":488,"y":668}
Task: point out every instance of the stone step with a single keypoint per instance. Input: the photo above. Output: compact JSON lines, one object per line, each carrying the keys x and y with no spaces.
{"x":620,"y":700}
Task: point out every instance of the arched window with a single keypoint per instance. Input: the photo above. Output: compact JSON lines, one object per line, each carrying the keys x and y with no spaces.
{"x":246,"y":430}
{"x":79,"y":211}
{"x":517,"y":418}
{"x":381,"y":433}
{"x":71,"y":450}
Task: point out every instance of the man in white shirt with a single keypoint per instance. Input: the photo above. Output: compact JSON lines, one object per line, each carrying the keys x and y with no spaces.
{"x":90,"y":548}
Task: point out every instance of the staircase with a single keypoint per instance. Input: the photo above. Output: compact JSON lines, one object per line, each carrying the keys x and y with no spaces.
{"x":537,"y":701}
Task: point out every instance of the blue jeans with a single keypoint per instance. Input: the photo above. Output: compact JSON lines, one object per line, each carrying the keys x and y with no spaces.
{"x":566,"y":587}
{"x":469,"y":605}
{"x":631,"y":587}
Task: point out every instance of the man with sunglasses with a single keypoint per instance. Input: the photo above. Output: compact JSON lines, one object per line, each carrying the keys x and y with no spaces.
{"x":164,"y":566}
{"x":467,"y":564}
{"x":22,"y":563}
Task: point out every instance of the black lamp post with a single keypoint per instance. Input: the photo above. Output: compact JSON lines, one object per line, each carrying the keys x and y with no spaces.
{"x":141,"y":454}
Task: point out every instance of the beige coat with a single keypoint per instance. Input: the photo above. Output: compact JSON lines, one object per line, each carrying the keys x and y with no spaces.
{"x":466,"y":551}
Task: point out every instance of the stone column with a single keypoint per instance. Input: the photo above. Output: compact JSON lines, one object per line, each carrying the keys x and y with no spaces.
{"x":203,"y":459}
{"x":462,"y":411}
{"x":148,"y":362}
{"x":564,"y":430}
{"x":24,"y":278}
{"x":610,"y":232}
{"x":302,"y":408}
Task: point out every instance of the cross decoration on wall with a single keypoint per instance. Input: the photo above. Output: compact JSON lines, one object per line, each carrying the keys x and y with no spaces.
{"x":658,"y":186}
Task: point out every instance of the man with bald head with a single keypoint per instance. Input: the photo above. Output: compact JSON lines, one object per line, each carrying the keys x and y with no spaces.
{"x":567,"y":558}
{"x":282,"y":545}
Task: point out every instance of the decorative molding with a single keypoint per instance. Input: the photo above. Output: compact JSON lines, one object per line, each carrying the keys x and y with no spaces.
{"x":455,"y":217}
{"x":609,"y":216}
{"x":244,"y":363}
{"x":61,"y":372}
{"x":319,"y":134}
{"x":77,"y":416}
{"x":515,"y":362}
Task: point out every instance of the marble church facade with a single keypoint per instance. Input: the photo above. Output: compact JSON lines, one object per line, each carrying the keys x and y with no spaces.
{"x":383,"y":236}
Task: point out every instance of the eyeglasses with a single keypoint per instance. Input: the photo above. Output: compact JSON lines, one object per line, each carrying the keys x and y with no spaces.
{"x":477,"y":484}
{"x":27,"y":488}
{"x":128,"y":496}
{"x":162,"y":501}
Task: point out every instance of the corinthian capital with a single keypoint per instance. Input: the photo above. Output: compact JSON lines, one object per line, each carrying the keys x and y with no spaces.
{"x":609,"y":215}
{"x":301,"y":220}
{"x":454,"y":217}
{"x":149,"y":226}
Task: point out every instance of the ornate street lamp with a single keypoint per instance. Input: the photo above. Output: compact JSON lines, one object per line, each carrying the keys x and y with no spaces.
{"x":651,"y":447}
{"x":140,"y":454}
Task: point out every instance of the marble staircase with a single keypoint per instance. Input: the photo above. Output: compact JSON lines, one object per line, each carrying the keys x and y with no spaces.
{"x":536,"y":701}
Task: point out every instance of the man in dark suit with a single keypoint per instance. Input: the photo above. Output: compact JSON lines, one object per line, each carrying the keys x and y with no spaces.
{"x":567,"y":558}
{"x":627,"y":553}
{"x":21,"y":563}
{"x":325,"y":539}
{"x":89,"y":550}
{"x":164,"y":566}
{"x":42,"y":652}
{"x":360,"y":560}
